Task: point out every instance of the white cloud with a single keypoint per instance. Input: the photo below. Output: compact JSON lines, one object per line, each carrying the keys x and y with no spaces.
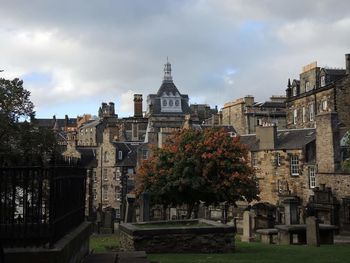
{"x":220,"y":50}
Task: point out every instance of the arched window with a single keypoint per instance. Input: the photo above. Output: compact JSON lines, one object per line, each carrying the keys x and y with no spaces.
{"x":165,"y":103}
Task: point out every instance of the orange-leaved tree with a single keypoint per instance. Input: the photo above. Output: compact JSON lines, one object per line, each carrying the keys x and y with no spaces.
{"x":208,"y":166}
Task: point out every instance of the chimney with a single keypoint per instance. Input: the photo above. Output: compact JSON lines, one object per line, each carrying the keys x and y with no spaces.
{"x":327,"y":142}
{"x":347,"y":63}
{"x":249,"y":100}
{"x":267,"y":136}
{"x":111,"y":109}
{"x":138,"y":105}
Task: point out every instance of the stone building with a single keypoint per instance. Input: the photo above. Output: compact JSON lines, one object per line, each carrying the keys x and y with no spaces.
{"x":166,"y":110}
{"x":318,"y":90}
{"x":245,"y":114}
{"x":112,"y":178}
{"x":303,"y":163}
{"x":203,"y":111}
{"x":284,"y":161}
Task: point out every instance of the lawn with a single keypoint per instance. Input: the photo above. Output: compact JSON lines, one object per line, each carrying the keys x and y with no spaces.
{"x":258,"y":252}
{"x":104,"y":243}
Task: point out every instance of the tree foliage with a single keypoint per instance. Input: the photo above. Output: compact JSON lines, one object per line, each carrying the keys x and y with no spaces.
{"x":21,"y":143}
{"x":208,"y":166}
{"x":346,"y":162}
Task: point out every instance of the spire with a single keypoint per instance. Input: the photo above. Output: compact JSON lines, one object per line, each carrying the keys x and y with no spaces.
{"x":167,"y":72}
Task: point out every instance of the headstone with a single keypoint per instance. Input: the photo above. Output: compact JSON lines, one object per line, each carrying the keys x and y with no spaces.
{"x":247,"y":227}
{"x":312,"y":231}
{"x":129,"y":214}
{"x":145,"y":207}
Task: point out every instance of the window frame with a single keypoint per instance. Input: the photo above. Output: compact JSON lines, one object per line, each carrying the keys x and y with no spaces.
{"x":294,"y":165}
{"x":312,"y":177}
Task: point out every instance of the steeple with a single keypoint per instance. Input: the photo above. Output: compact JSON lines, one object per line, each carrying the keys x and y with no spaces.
{"x":167,"y":72}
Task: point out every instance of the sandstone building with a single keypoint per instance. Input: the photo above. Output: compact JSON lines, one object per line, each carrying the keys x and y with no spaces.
{"x":319,"y":90}
{"x":245,"y":114}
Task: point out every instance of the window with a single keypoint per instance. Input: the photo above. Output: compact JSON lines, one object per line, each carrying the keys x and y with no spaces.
{"x":120,"y":155}
{"x":144,"y":154}
{"x":177,"y":103}
{"x":254,"y":159}
{"x":105,"y":192}
{"x":104,"y":175}
{"x":117,"y":193}
{"x":105,"y":156}
{"x":311,"y":112}
{"x":324,"y":105}
{"x":312,"y":177}
{"x":94,"y":193}
{"x":277,"y":159}
{"x":294,"y":91}
{"x":304,"y":114}
{"x":307,"y":86}
{"x":165,"y":103}
{"x":295,"y":116}
{"x":94,"y":176}
{"x":171,"y":103}
{"x":323,"y":81}
{"x":294,"y":165}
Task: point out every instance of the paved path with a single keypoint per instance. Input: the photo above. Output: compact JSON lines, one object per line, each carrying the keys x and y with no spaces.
{"x":120,"y":257}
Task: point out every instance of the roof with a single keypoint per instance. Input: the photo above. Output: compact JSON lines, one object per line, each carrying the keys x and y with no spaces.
{"x":338,"y":72}
{"x":88,"y":156}
{"x":286,"y":139}
{"x":167,"y":87}
{"x":90,"y":124}
{"x":129,"y":150}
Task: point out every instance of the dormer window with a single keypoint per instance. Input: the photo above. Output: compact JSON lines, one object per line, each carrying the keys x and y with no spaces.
{"x":307,"y":86}
{"x":323,"y":81}
{"x":294,"y":91}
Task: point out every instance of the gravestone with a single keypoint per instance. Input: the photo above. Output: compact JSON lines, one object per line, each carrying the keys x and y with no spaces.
{"x":247,"y":227}
{"x":130,"y":209}
{"x":145,"y":207}
{"x":107,"y":224}
{"x":312,"y":231}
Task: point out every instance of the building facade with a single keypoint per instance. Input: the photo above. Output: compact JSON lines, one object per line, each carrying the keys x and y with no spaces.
{"x":245,"y":114}
{"x":317,"y":91}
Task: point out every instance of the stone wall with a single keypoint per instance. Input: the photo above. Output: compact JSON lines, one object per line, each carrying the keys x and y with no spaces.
{"x":275,"y":179}
{"x":233,"y":114}
{"x":339,"y":182}
{"x":72,"y":248}
{"x":215,"y":238}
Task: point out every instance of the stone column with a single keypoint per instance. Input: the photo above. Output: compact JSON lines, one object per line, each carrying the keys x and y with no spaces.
{"x":312,"y":231}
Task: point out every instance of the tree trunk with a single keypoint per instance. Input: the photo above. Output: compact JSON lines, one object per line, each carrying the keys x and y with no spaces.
{"x":189,"y":210}
{"x":164,"y":212}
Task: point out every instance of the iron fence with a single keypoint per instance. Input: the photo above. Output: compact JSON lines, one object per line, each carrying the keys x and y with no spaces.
{"x":40,"y":205}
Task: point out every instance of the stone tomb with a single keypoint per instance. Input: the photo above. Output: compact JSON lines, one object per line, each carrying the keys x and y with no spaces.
{"x":178,"y":236}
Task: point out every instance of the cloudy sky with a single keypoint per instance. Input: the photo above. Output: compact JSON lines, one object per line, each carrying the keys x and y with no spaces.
{"x":74,"y":54}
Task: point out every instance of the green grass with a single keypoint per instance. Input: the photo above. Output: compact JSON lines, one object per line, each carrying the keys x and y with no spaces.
{"x":257,"y":252}
{"x":165,"y":225}
{"x":104,"y":243}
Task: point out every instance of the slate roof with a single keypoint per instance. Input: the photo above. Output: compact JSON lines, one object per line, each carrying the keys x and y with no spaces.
{"x":286,"y":139}
{"x":90,"y":124}
{"x":88,"y":156}
{"x":167,"y":87}
{"x":129,"y":150}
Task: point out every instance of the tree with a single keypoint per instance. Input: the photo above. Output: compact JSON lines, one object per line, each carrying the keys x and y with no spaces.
{"x":21,"y":143}
{"x":208,"y":166}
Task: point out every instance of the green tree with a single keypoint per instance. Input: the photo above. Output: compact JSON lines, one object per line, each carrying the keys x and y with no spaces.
{"x":208,"y":166}
{"x":21,"y":143}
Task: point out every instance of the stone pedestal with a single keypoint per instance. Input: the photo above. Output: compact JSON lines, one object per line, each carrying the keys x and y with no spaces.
{"x":312,"y":231}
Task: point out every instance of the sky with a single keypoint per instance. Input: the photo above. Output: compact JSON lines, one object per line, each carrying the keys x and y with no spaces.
{"x":75,"y":54}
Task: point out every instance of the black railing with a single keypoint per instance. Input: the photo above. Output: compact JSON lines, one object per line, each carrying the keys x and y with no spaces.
{"x":39,"y":205}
